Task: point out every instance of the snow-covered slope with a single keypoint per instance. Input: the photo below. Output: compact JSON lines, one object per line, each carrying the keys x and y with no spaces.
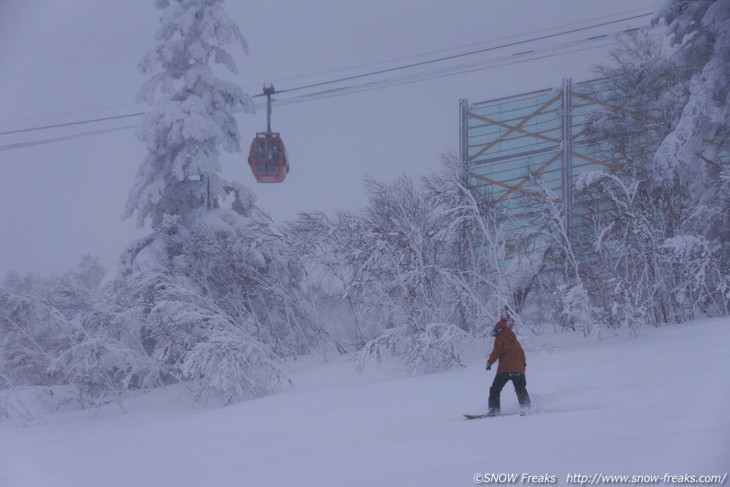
{"x":651,"y":405}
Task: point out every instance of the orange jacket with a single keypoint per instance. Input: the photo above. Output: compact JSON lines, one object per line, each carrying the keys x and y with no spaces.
{"x":509,"y":353}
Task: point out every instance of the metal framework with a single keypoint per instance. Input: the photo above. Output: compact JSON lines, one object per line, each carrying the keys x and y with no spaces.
{"x":506,"y":142}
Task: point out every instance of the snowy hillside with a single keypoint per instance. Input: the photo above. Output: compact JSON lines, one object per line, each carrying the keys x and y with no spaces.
{"x":651,"y":405}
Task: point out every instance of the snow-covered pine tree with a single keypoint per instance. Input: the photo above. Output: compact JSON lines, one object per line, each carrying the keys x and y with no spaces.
{"x":192,"y":114}
{"x":698,"y":149}
{"x":214,"y":292}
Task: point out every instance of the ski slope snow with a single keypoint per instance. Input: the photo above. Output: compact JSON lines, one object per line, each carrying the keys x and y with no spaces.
{"x":655,"y":404}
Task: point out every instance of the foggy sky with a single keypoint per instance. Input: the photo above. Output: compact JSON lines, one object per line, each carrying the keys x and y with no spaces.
{"x":68,"y":60}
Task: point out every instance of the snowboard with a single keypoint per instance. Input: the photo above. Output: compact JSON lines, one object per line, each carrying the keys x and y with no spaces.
{"x":480,"y":416}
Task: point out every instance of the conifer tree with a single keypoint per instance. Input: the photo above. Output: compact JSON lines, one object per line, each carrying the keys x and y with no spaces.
{"x":191,"y":116}
{"x":698,"y":149}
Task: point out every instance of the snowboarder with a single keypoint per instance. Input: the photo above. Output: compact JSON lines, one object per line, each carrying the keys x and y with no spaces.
{"x":508,"y":351}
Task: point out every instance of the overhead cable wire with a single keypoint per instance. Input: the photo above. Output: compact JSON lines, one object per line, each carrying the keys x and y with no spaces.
{"x":460,"y":55}
{"x":505,"y":60}
{"x":347,"y":90}
{"x":19,"y":145}
{"x":69,"y":113}
{"x":510,"y":59}
{"x":349,"y":68}
{"x":357,"y":88}
{"x":455,"y":48}
{"x":364,"y":75}
{"x":371,"y":86}
{"x":68,"y":124}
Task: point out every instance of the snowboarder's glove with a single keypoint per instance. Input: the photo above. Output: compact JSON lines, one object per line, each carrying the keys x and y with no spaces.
{"x":489,"y":366}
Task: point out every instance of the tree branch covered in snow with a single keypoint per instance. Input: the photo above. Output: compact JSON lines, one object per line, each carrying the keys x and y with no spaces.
{"x":697,"y":151}
{"x":435,"y":347}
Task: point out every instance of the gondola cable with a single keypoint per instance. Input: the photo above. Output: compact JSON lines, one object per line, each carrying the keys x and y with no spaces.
{"x":371,"y":73}
{"x":371,"y":85}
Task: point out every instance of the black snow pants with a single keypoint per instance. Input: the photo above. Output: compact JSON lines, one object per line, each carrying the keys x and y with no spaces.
{"x":520,"y":383}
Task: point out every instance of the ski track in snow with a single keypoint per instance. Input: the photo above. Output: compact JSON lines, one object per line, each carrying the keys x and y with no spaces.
{"x":646,"y":405}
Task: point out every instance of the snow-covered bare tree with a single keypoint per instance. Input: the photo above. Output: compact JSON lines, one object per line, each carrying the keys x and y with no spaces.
{"x":32,"y":335}
{"x":41,"y":317}
{"x":385,"y":272}
{"x":192,"y":114}
{"x":65,"y":333}
{"x":493,"y":270}
{"x":577,"y":309}
{"x":325,"y":246}
{"x":216,"y":302}
{"x":250,"y":272}
{"x":639,"y":210}
{"x":401,"y":274}
{"x":648,"y":92}
{"x":402,"y":258}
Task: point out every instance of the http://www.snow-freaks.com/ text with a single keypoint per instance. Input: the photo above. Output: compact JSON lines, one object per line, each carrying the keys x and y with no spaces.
{"x":599,"y":479}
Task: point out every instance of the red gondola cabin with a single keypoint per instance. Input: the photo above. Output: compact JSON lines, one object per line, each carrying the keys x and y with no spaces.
{"x":267,"y":158}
